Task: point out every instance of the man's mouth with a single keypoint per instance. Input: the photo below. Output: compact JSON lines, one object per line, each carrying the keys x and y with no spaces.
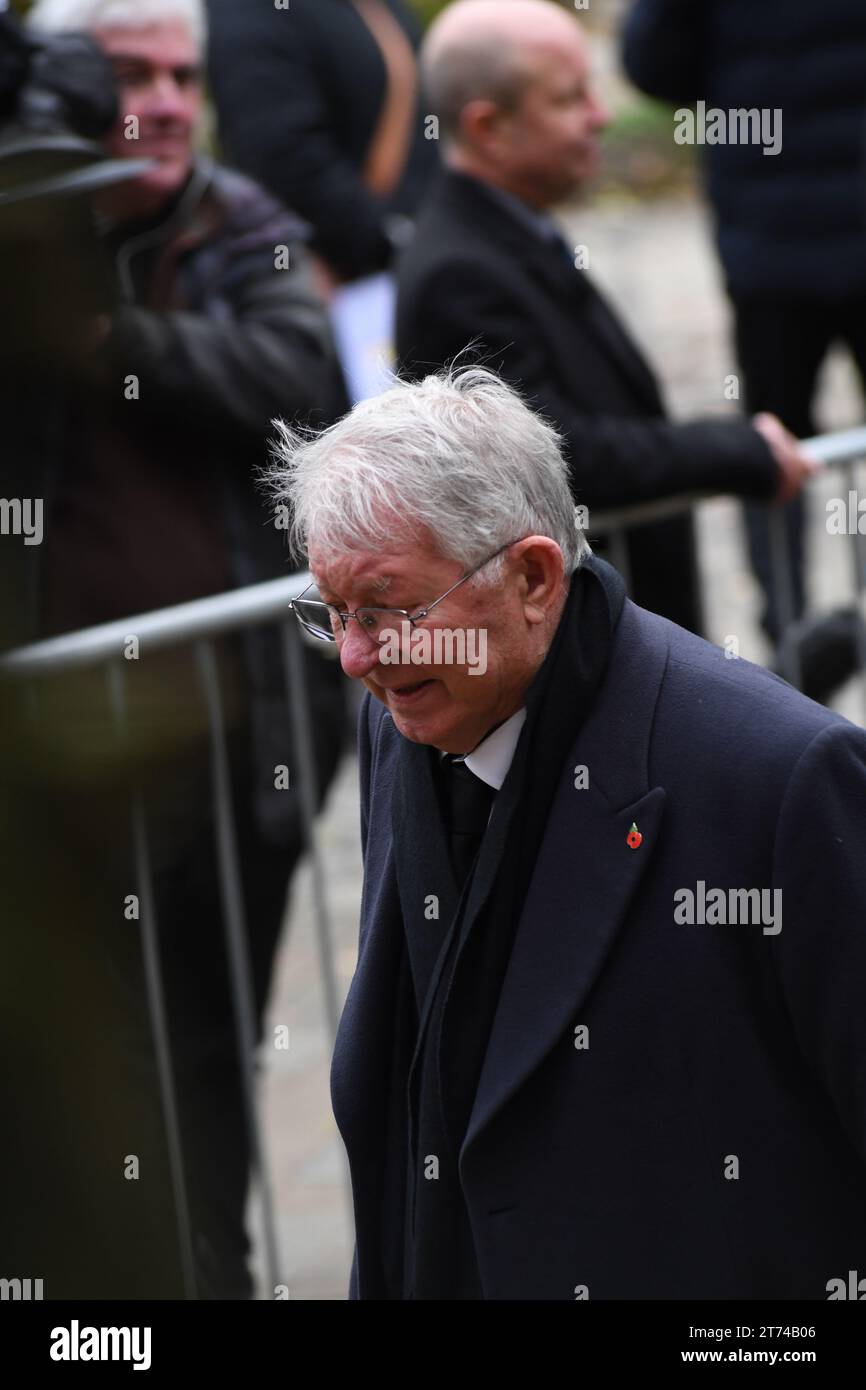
{"x":163,"y":140}
{"x":404,"y":693}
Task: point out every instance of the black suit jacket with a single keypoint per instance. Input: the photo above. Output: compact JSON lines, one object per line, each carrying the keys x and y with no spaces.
{"x":475,"y":272}
{"x":610,"y":1166}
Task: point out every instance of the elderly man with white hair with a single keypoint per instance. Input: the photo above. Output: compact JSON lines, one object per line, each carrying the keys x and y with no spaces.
{"x":605,"y":1038}
{"x":152,"y":500}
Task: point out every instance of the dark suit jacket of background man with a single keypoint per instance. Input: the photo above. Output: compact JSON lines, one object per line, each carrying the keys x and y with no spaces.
{"x":605,"y":1167}
{"x":476,"y":272}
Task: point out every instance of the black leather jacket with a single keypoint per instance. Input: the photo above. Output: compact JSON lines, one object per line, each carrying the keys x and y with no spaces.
{"x":221,"y":341}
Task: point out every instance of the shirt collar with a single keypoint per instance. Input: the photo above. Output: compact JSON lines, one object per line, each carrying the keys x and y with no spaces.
{"x":492,"y":758}
{"x":540,"y":223}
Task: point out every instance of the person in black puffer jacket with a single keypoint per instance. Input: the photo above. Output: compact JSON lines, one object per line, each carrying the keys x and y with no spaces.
{"x":790,"y":226}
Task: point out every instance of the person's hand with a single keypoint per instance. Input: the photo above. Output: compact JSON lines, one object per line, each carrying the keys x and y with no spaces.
{"x":794,"y":466}
{"x":325,"y":279}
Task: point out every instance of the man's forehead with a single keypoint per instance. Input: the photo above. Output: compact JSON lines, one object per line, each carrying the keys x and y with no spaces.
{"x":371,"y":572}
{"x":563,"y":59}
{"x":166,"y":40}
{"x":373,"y":578}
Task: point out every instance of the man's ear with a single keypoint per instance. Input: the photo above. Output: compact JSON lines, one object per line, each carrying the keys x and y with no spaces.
{"x":541,"y":569}
{"x":480,"y":125}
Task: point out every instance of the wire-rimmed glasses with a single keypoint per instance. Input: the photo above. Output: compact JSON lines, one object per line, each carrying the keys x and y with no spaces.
{"x":329,"y":624}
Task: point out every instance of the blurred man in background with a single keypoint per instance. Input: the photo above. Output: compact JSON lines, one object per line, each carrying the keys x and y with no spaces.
{"x":66,"y":1096}
{"x":790,"y":226}
{"x":320,"y":100}
{"x":510,"y":84}
{"x":146,"y":455}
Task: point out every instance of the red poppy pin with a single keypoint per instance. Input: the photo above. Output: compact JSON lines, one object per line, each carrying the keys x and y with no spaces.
{"x":634,"y":839}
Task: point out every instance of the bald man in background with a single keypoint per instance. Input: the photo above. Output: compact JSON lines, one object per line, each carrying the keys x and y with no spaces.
{"x":519,"y":124}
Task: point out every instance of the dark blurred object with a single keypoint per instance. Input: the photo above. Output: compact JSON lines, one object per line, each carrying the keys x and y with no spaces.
{"x":791,"y":223}
{"x":57,"y":101}
{"x":63,"y":1089}
{"x":300,"y":95}
{"x":149,"y":499}
{"x":48,"y":304}
{"x":826,"y":648}
{"x":15,"y":55}
{"x":63,"y":80}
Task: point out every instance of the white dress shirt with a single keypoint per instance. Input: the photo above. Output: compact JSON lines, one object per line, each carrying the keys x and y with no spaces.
{"x":492,"y":758}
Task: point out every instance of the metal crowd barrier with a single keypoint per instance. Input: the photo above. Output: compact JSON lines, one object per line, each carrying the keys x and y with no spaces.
{"x":842,"y":450}
{"x":201,"y":622}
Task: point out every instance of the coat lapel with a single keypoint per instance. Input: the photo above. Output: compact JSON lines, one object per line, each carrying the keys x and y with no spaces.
{"x":564,"y":285}
{"x":596,"y":317}
{"x":585,"y":877}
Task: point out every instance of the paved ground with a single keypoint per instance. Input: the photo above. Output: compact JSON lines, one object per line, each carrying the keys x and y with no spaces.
{"x":657,"y":265}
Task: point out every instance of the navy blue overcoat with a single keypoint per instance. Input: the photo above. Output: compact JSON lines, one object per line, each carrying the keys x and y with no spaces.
{"x":667,"y":1109}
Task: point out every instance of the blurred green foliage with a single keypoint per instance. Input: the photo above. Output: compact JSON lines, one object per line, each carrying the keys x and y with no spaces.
{"x":639,"y":156}
{"x":427,"y":9}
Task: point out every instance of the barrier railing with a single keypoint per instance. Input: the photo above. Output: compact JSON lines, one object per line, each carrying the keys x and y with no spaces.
{"x":842,"y":450}
{"x":200,"y":623}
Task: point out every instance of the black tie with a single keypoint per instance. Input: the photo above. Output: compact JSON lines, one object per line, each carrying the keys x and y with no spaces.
{"x":467,"y":807}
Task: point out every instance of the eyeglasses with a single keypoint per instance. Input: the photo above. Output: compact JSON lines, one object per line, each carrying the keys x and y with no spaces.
{"x":326,"y":622}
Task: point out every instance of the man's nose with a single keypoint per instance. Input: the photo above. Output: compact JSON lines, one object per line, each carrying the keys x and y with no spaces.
{"x":167,"y":98}
{"x":359,"y":654}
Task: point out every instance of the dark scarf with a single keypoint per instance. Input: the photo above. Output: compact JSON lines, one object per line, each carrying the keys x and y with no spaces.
{"x":439,"y":1257}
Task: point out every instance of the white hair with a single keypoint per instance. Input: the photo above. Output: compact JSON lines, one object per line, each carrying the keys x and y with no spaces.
{"x":459,"y":453}
{"x":55,"y":16}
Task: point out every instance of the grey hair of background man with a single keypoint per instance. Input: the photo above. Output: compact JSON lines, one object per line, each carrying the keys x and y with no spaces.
{"x":86,"y":15}
{"x":454,"y":77}
{"x":458,"y":453}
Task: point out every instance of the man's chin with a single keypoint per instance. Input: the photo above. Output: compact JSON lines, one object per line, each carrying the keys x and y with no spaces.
{"x":417,"y":713}
{"x":415,"y":730}
{"x":146,"y":196}
{"x":434,"y":733}
{"x":168,"y":175}
{"x":585,"y":168}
